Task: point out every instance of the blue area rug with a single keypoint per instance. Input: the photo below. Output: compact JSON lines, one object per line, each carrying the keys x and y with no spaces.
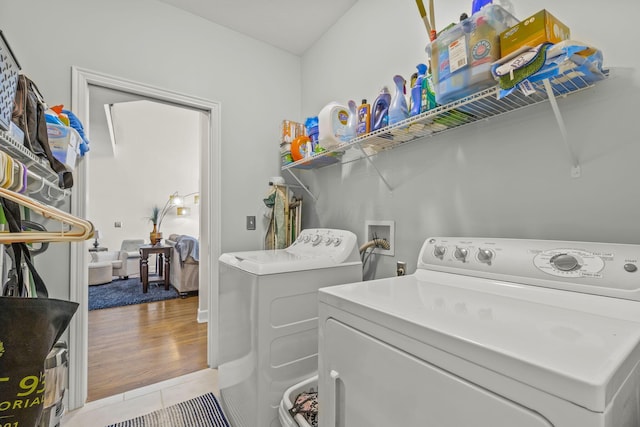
{"x":127,"y":292}
{"x":202,"y":411}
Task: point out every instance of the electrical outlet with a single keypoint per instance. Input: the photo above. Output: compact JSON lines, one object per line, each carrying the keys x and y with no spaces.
{"x":381,"y":230}
{"x":251,"y":223}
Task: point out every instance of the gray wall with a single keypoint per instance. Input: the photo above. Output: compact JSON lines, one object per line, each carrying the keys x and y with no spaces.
{"x":508,"y":177}
{"x":150,"y":42}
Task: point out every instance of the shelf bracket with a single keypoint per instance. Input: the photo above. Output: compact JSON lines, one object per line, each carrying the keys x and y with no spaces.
{"x":315,"y":199}
{"x":575,"y":166}
{"x":375,"y":167}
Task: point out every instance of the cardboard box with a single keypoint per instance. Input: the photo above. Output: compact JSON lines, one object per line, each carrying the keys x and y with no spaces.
{"x":539,"y":28}
{"x":64,"y":143}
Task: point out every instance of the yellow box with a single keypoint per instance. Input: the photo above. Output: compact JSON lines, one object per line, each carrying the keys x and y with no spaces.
{"x":539,"y":28}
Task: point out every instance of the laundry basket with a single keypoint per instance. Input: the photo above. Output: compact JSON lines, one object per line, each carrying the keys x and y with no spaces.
{"x":287,"y":403}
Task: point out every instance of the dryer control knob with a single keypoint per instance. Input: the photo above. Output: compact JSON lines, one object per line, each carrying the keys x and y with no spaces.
{"x":485,"y":256}
{"x":315,"y":241}
{"x":461,"y":254}
{"x":565,"y":262}
{"x":337,"y":241}
{"x":439,"y":251}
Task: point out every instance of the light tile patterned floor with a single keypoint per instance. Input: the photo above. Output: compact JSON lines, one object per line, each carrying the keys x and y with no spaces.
{"x":143,"y":400}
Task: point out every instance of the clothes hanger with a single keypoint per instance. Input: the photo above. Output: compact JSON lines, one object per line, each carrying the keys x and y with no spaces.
{"x":79,"y":229}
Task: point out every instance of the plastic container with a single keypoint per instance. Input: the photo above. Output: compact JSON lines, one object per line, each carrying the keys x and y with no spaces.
{"x":333,"y":122}
{"x":364,"y":118}
{"x":380,"y":110}
{"x":461,"y":56}
{"x":310,"y":384}
{"x":398,"y":110}
{"x":416,"y":91}
{"x":64,"y":143}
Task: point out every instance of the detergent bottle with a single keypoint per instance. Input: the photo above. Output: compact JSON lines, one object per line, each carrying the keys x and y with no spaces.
{"x":416,"y":91}
{"x":398,"y":110}
{"x":380,"y":110}
{"x":352,"y":122}
{"x":364,"y":118}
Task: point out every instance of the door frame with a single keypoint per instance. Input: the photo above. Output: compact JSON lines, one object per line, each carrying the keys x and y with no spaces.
{"x":210,"y":194}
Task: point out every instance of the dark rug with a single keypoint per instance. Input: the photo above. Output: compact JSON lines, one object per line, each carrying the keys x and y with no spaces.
{"x":202,"y":411}
{"x":127,"y":292}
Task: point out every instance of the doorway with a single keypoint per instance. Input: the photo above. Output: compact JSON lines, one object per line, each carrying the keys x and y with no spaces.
{"x":82,"y":81}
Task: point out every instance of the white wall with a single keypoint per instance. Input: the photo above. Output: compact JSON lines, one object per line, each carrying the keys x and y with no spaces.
{"x":150,"y":42}
{"x":509,"y":177}
{"x":156,"y":154}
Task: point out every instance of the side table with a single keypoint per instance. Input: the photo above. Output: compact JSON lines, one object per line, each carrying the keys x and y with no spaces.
{"x":164,"y":254}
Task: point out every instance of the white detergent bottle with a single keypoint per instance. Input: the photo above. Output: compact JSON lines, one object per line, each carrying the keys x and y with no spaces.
{"x":333,"y":125}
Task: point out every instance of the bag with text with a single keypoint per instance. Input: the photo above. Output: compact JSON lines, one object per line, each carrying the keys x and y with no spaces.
{"x":30,"y":325}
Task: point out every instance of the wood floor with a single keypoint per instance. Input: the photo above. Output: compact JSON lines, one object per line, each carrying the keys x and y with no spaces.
{"x":139,"y":345}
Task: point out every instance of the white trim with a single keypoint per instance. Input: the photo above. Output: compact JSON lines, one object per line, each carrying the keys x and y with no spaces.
{"x":209,"y":220}
{"x":203,"y":316}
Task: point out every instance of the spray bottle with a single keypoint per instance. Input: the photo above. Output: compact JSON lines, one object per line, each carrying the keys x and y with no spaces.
{"x":380,"y":110}
{"x":416,"y":91}
{"x":352,"y":122}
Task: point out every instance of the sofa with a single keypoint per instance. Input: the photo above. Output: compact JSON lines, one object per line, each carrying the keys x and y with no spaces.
{"x":184,"y":275}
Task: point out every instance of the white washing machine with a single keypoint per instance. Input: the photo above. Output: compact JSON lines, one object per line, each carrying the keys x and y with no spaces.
{"x":268,"y":319}
{"x":487,"y":333}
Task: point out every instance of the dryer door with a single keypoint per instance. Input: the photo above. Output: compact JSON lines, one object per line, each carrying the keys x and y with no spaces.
{"x":366,"y":382}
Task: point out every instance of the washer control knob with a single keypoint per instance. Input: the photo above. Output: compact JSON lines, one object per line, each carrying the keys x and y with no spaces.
{"x":307,"y":238}
{"x":439,"y":251}
{"x":328,"y":240}
{"x":630,"y":268}
{"x":315,"y":240}
{"x":461,"y":254}
{"x":565,"y":262}
{"x":337,"y":241}
{"x":485,"y":256}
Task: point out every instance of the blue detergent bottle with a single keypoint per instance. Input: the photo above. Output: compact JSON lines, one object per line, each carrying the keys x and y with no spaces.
{"x":380,"y":110}
{"x":416,"y":91}
{"x":398,"y":110}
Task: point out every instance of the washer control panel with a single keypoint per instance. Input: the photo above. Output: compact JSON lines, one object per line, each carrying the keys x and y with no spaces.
{"x":324,"y":242}
{"x":603,"y":268}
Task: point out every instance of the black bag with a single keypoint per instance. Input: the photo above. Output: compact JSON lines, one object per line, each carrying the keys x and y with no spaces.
{"x":29,"y":328}
{"x":28,"y":115}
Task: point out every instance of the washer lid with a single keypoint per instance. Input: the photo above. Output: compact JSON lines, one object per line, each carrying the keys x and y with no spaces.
{"x":575,"y":346}
{"x":278,"y":261}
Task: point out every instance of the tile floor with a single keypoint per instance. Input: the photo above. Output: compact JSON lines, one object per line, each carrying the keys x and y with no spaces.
{"x":141,"y":401}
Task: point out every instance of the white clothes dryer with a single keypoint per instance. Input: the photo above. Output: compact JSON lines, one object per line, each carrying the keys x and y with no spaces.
{"x":268,"y":319}
{"x":487,"y":333}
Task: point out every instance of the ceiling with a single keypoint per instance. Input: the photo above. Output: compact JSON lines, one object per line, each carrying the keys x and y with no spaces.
{"x":292,"y":25}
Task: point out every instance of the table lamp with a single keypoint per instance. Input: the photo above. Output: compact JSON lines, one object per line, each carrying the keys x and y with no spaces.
{"x":97,"y":234}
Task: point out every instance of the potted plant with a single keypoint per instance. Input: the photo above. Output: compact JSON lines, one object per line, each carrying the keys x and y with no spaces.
{"x":156,"y":235}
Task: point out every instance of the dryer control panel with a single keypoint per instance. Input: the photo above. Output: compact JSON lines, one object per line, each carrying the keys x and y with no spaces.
{"x":600,"y":268}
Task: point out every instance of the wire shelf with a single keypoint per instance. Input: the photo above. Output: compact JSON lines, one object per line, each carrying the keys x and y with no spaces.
{"x":473,"y":108}
{"x":39,"y":171}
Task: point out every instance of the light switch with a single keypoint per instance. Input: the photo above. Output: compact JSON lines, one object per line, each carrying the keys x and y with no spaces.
{"x":117,"y":224}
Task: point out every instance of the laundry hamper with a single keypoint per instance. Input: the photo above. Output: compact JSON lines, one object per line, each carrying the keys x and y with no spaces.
{"x":287,"y":403}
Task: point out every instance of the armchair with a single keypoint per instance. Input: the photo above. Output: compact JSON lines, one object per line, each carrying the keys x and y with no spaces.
{"x":130,"y":250}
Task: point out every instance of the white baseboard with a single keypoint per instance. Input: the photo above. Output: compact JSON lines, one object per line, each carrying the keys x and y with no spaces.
{"x":203,"y":316}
